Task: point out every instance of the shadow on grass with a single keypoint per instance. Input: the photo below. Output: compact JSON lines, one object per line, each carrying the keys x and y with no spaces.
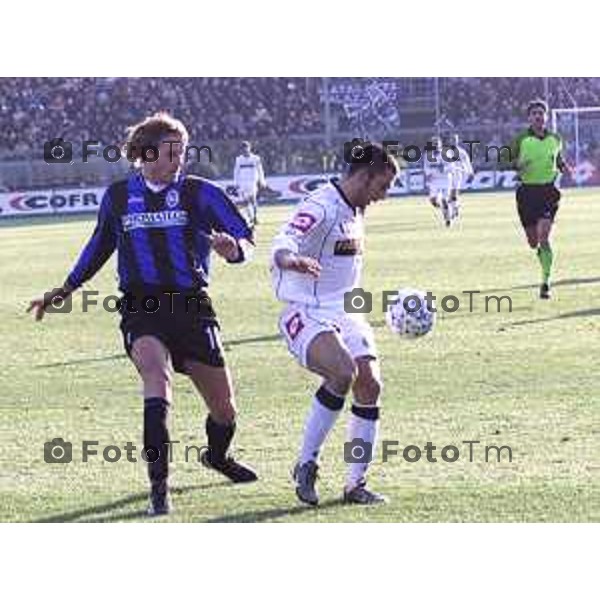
{"x":112,"y":357}
{"x":463,"y":314}
{"x":82,"y":361}
{"x":590,"y":312}
{"x":274,"y":513}
{"x":111,"y":511}
{"x":261,"y":339}
{"x":104,"y":512}
{"x":558,"y":283}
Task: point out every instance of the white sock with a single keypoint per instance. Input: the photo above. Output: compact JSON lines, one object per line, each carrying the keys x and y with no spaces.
{"x":363,"y":425}
{"x":453,"y":208}
{"x":321,"y":418}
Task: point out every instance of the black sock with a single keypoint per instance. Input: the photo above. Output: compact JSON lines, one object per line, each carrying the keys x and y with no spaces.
{"x":219,"y":438}
{"x":156,"y":435}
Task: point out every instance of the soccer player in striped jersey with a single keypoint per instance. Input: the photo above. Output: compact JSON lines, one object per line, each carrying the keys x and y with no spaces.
{"x":163,"y":226}
{"x":317,"y":262}
{"x":249,"y":178}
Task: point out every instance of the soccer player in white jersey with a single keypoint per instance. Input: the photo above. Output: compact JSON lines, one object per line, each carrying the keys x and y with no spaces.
{"x":249,"y":178}
{"x":317,"y":261}
{"x":437,"y":176}
{"x":460,"y":170}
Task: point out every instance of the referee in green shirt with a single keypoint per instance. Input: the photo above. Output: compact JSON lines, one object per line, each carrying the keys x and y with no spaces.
{"x":536,"y":155}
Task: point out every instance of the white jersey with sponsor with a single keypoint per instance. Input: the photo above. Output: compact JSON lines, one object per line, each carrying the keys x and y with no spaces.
{"x":327,"y":228}
{"x":435,"y":165}
{"x":248,"y":172}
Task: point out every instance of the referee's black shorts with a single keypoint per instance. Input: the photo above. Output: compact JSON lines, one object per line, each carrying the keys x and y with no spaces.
{"x":535,"y":202}
{"x":184,"y":321}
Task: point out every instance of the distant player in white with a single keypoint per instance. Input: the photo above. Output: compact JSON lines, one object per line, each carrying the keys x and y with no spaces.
{"x":460,"y":171}
{"x":317,"y":262}
{"x":437,"y":176}
{"x":249,"y":178}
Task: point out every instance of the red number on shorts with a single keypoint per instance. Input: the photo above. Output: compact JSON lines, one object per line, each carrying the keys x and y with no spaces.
{"x":294,"y":326}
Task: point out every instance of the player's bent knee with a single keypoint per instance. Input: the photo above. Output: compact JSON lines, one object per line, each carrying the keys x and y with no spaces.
{"x":368,"y":390}
{"x":157,"y":375}
{"x":342,"y":379}
{"x":532,"y":238}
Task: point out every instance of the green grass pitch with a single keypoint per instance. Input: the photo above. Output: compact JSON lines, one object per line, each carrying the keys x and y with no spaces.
{"x":527,"y":379}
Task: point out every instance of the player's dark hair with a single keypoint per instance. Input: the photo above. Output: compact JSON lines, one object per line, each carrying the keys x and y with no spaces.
{"x":151,"y":131}
{"x":380,"y":161}
{"x":537,"y":103}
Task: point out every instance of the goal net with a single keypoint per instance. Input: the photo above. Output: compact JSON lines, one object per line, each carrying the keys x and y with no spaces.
{"x":579,"y":127}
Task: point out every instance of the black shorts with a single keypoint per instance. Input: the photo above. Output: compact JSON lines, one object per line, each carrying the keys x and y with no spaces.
{"x":535,"y":202}
{"x":187,"y":327}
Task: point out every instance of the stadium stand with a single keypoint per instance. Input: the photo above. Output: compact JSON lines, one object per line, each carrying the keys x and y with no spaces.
{"x":284,"y":117}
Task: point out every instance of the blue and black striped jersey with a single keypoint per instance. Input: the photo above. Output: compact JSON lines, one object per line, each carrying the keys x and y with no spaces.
{"x":160,"y":237}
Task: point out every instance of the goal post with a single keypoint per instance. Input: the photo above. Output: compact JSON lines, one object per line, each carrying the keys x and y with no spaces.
{"x":579,"y":127}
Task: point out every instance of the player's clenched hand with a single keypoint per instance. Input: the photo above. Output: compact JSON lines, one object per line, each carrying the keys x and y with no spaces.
{"x":225,"y":245}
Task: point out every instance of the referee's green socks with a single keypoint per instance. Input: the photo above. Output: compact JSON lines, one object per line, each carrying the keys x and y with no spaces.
{"x":546,"y":257}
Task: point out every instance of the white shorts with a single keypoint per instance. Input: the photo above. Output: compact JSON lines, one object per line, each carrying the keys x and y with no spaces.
{"x":456,"y":181}
{"x":301,"y":324}
{"x":439,"y":185}
{"x":248,"y":193}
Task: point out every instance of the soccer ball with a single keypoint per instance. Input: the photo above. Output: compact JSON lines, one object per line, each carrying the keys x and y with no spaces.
{"x":409,"y":316}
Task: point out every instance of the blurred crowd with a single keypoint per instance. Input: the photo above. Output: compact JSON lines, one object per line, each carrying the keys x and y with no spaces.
{"x":501,"y":101}
{"x":35,"y":109}
{"x":284,"y":117}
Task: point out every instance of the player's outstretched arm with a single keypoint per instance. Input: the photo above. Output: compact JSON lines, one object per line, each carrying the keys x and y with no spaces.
{"x":299,"y":237}
{"x":286,"y":259}
{"x":96,"y":252}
